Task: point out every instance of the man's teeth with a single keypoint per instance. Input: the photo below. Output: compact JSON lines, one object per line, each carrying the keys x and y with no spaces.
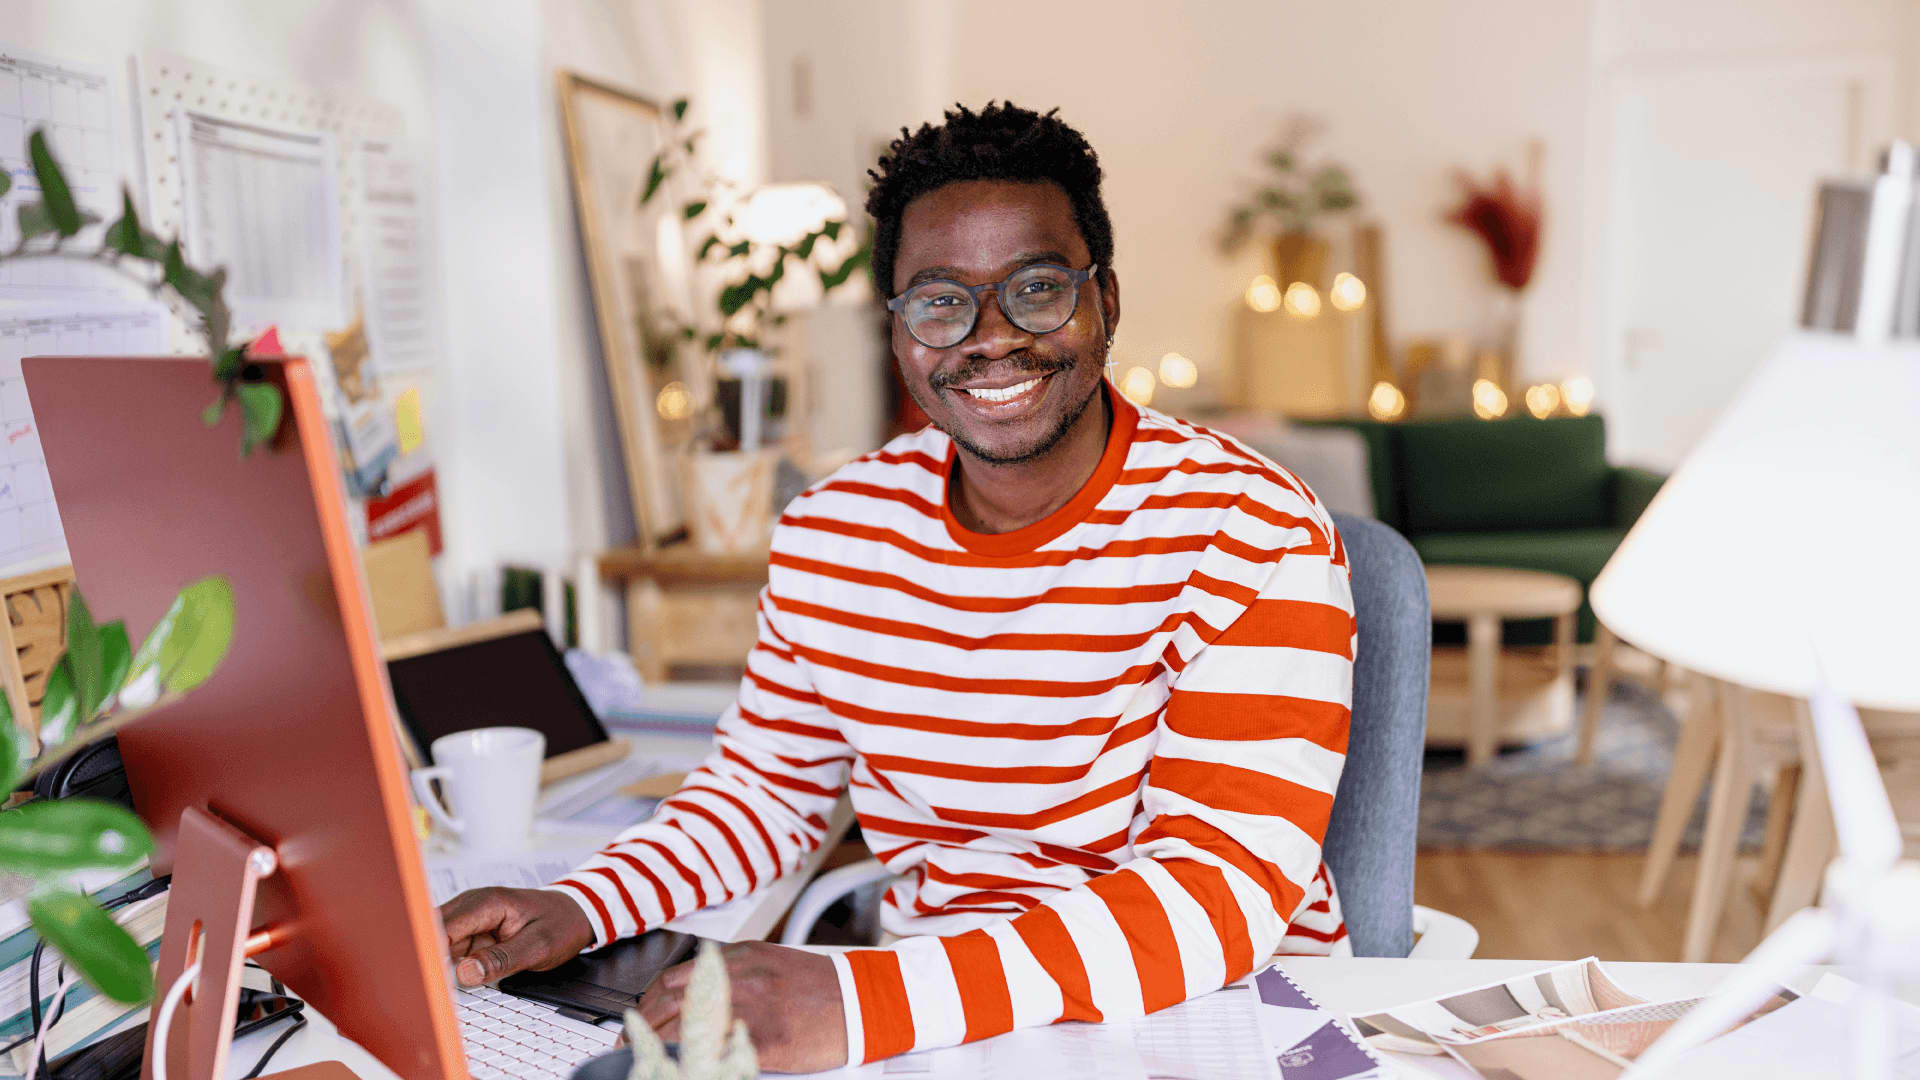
{"x":1005,"y":393}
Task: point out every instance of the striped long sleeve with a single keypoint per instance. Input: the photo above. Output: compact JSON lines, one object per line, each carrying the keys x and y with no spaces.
{"x":1097,"y":753}
{"x":1225,"y":867}
{"x":752,"y":811}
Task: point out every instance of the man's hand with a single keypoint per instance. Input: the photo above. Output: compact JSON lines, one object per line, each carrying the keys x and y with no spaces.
{"x":493,"y":933}
{"x":789,"y":998}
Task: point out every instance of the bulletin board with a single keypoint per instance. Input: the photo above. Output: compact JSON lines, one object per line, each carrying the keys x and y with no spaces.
{"x":380,"y":346}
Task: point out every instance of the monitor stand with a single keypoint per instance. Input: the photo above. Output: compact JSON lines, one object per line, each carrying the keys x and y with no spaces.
{"x":216,"y":870}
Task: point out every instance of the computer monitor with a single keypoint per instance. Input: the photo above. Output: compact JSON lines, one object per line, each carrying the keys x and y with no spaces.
{"x":290,"y":746}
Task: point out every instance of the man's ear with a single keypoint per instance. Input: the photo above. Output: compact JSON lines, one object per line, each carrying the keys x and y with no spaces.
{"x":1110,"y":298}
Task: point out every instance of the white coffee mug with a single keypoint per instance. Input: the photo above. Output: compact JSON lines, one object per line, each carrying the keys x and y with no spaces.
{"x":491,"y":778}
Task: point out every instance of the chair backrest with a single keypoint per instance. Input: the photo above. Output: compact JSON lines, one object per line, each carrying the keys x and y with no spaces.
{"x":1370,"y":836}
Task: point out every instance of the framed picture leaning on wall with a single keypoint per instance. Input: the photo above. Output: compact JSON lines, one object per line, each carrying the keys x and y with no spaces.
{"x":642,"y":280}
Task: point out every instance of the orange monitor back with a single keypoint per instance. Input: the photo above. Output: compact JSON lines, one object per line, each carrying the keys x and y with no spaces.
{"x":276,"y":789}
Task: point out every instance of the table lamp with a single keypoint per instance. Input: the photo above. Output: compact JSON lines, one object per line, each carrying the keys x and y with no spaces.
{"x":1789,"y":540}
{"x":1782,"y":556}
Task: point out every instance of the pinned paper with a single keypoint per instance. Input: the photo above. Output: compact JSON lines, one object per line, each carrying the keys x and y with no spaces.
{"x":406,"y":420}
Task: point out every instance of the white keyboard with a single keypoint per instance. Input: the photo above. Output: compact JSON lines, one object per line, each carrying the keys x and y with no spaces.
{"x":508,"y":1037}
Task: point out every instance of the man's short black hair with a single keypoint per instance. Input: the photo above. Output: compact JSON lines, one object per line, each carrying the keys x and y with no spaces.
{"x":1000,"y":142}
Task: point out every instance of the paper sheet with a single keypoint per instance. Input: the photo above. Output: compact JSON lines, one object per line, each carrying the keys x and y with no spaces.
{"x":451,"y":873}
{"x":264,"y":203}
{"x":396,"y":287}
{"x":78,"y":105}
{"x":1264,"y":1026}
{"x":30,"y":534}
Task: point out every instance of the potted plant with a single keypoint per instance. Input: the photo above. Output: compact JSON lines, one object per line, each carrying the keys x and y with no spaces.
{"x":100,"y":683}
{"x":1292,"y":200}
{"x":730,"y":479}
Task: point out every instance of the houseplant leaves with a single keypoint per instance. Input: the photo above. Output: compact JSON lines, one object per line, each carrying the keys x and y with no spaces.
{"x":99,"y":949}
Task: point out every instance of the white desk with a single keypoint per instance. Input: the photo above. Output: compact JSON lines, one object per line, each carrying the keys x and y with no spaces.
{"x":1344,"y":986}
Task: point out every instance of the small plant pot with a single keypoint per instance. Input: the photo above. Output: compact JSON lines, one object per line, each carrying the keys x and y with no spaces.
{"x":729,"y":497}
{"x":1300,"y":256}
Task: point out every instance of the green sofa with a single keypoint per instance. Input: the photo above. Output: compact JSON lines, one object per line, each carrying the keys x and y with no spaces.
{"x":1520,"y":492}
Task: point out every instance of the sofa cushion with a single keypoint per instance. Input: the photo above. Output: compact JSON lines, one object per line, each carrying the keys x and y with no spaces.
{"x":1504,"y":475}
{"x":1382,"y":460}
{"x":1577,"y":553}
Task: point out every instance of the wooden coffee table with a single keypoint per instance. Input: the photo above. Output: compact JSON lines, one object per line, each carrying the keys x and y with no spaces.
{"x":1523,"y":696}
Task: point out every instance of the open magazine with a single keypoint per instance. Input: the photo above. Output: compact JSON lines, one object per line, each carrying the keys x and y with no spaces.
{"x":1569,"y":1022}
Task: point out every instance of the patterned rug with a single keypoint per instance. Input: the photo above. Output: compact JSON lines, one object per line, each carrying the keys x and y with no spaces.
{"x":1536,"y":799}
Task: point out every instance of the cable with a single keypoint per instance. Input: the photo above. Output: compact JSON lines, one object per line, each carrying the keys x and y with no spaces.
{"x":260,"y":1066}
{"x":39,"y":1054}
{"x":163,"y":1020}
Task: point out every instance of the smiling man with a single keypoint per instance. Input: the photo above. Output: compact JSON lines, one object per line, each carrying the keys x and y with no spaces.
{"x":1083,"y":669}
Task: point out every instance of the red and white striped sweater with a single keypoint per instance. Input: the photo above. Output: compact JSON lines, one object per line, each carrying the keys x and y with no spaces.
{"x":1099,"y":752}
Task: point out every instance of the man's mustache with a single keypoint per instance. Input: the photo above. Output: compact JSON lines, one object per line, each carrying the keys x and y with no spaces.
{"x":1020,"y":363}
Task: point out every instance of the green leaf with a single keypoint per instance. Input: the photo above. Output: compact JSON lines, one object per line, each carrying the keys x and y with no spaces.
{"x":688,"y":333}
{"x":6,"y":181}
{"x":34,"y":221}
{"x":773,"y":277}
{"x":83,"y":656}
{"x":832,"y":229}
{"x":714,"y":340}
{"x":194,"y":633}
{"x":679,"y":109}
{"x":194,"y":287}
{"x":211,"y":415}
{"x":740,"y":249}
{"x":98,"y":948}
{"x":60,"y":836}
{"x":16,"y":747}
{"x":735,"y":296}
{"x":830,"y":281}
{"x":124,"y":235}
{"x":656,"y":176}
{"x":260,"y":411}
{"x":54,"y":192}
{"x":805,"y":247}
{"x":227,"y":367}
{"x":693,"y":209}
{"x":706,"y":245}
{"x":60,"y":708}
{"x":116,"y":658}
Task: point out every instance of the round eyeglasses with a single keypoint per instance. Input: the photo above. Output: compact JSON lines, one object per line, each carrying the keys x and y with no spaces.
{"x":1038,"y":298}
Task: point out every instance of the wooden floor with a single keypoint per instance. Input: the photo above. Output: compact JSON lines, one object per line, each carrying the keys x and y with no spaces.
{"x":1564,"y":906}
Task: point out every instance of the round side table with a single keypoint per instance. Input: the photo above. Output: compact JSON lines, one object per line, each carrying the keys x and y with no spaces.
{"x":1521,"y":700}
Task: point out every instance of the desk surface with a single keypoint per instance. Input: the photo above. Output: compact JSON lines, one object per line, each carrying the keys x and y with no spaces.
{"x":1343,"y":985}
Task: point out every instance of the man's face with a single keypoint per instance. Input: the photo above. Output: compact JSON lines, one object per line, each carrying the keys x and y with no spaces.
{"x":979,"y":231}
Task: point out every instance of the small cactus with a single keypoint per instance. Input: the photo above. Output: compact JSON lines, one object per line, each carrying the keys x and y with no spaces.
{"x":713,"y":1045}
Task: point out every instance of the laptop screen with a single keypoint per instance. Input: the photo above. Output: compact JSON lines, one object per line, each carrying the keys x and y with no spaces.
{"x":517,"y":680}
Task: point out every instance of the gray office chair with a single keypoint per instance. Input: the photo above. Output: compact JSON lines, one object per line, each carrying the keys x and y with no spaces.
{"x":1370,"y":837}
{"x":1376,"y":809}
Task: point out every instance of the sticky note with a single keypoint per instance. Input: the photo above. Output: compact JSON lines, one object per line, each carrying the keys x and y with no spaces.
{"x":406,"y":420}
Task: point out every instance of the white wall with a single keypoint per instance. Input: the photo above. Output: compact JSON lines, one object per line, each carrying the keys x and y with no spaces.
{"x":1181,"y":99}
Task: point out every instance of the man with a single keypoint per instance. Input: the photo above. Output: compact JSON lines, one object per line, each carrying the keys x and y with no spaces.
{"x":1083,"y":669}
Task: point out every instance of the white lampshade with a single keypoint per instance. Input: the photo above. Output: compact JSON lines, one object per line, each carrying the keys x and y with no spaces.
{"x":784,"y":213}
{"x":1791,"y":533}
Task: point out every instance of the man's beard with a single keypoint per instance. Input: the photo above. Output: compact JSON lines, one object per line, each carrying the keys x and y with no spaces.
{"x":1062,"y":364}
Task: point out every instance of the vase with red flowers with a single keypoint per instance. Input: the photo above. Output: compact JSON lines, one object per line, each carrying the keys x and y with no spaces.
{"x":1506,"y":215}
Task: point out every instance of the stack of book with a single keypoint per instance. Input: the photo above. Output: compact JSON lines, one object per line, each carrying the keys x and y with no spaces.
{"x":89,"y":1016}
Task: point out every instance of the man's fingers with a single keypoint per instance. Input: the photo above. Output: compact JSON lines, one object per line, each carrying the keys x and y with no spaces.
{"x":670,"y":1031}
{"x":659,"y":1005}
{"x":481,"y":911}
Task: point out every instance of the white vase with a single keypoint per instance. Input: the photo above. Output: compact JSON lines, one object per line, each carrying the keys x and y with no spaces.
{"x":729,"y":499}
